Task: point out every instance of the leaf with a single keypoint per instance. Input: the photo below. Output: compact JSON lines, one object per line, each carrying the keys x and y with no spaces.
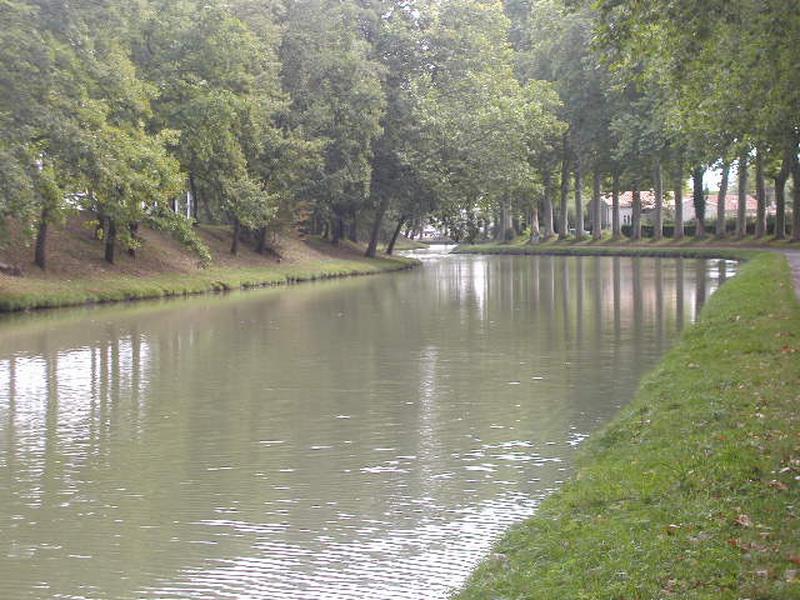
{"x":744,"y":521}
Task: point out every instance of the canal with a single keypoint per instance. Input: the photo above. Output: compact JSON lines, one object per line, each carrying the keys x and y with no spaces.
{"x":359,"y":438}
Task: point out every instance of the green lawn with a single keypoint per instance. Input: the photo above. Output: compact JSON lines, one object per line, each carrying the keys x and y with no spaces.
{"x":692,"y":491}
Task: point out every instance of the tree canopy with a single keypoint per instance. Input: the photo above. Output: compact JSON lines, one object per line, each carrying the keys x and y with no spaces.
{"x":354,"y":119}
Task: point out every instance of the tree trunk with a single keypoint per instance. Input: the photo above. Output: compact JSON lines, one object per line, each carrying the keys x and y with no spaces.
{"x":636,"y":221}
{"x":353,"y":235}
{"x":741,"y":209}
{"x":699,"y":201}
{"x":237,"y":227}
{"x":533,"y":221}
{"x":658,"y":182}
{"x":678,"y":185}
{"x":547,"y":206}
{"x":795,"y":196}
{"x":261,"y":244}
{"x":579,"y":231}
{"x":723,"y":192}
{"x":761,"y":196}
{"x":40,"y":254}
{"x":111,"y":239}
{"x":372,"y":247}
{"x":616,"y":228}
{"x":207,"y":209}
{"x":195,"y":199}
{"x":563,"y":217}
{"x":597,"y":225}
{"x":338,"y":229}
{"x":390,"y":247}
{"x":133,"y":228}
{"x":780,"y":198}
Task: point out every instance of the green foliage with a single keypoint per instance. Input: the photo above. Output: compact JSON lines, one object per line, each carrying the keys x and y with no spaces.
{"x":182,"y":229}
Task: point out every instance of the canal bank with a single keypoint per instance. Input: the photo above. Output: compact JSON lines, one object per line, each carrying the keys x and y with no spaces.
{"x":162,"y":268}
{"x":692,"y":491}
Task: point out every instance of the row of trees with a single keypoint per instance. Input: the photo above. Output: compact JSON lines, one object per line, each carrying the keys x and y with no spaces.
{"x":362,"y":116}
{"x":261,"y":113}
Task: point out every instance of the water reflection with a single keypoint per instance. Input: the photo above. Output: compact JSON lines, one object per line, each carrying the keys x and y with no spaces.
{"x":351,"y":439}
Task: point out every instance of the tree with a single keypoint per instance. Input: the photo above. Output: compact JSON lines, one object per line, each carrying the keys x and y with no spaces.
{"x":336,"y":95}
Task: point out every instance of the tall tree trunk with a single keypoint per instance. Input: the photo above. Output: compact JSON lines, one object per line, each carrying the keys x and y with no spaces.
{"x":237,"y":228}
{"x":261,"y":244}
{"x":547,"y":206}
{"x":40,"y":253}
{"x":195,"y":199}
{"x":795,"y":196}
{"x":741,"y":209}
{"x":563,"y":216}
{"x":372,"y":246}
{"x":207,"y":209}
{"x":597,"y":224}
{"x":678,"y":185}
{"x":723,"y":193}
{"x":780,"y":197}
{"x":658,"y":182}
{"x":699,"y":201}
{"x":761,"y":196}
{"x":636,"y":221}
{"x":111,"y":239}
{"x":533,"y":221}
{"x":579,"y":230}
{"x":353,"y":234}
{"x":133,"y":228}
{"x":395,"y":234}
{"x":616,"y":227}
{"x":337,"y":229}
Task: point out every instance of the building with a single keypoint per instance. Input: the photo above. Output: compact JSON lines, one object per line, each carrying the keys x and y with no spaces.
{"x":626,"y":206}
{"x":649,"y":204}
{"x":731,"y":207}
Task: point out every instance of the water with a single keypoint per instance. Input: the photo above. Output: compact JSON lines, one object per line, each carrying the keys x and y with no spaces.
{"x":362,"y":438}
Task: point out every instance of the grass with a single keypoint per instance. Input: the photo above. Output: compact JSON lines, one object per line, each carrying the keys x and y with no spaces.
{"x":43,"y":293}
{"x":692,"y":491}
{"x":403,"y":243}
{"x":603,"y":248}
{"x":688,"y":247}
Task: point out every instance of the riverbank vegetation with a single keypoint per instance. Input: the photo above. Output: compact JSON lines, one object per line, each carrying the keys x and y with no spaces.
{"x":164,"y":268}
{"x":692,"y":491}
{"x":364,"y":119}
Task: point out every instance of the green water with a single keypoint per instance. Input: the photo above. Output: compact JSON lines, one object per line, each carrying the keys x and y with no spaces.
{"x":363,"y":438}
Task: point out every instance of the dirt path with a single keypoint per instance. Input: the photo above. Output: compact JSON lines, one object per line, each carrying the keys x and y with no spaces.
{"x":793,"y":256}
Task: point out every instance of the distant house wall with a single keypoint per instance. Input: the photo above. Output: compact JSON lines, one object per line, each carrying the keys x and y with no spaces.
{"x":731,"y":207}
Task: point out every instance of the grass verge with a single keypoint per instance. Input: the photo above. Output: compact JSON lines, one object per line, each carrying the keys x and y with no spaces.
{"x":31,"y":294}
{"x":600,"y":249}
{"x":692,"y":491}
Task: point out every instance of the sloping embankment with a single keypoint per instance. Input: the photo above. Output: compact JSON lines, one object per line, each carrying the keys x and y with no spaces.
{"x":57,"y":293}
{"x":692,"y":491}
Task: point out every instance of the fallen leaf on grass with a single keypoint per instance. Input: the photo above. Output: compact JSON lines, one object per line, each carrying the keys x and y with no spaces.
{"x":744,"y":521}
{"x":778,"y":485}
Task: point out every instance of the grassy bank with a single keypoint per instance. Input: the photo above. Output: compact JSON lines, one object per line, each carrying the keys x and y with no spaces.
{"x":692,"y":491}
{"x":608,"y":249}
{"x":77,"y":273}
{"x":32,"y":294}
